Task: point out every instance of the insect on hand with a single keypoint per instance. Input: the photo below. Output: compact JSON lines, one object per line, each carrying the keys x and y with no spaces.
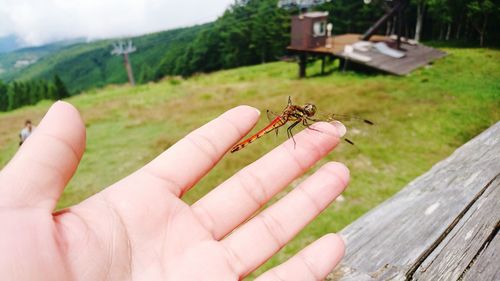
{"x":294,"y":114}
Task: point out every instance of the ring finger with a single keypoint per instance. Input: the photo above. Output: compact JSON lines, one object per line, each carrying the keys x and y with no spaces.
{"x":265,"y":234}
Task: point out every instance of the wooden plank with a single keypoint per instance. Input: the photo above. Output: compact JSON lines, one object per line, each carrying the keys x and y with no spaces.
{"x":485,"y":267}
{"x":466,"y":240}
{"x":395,"y":237}
{"x":417,"y":55}
{"x":416,"y":58}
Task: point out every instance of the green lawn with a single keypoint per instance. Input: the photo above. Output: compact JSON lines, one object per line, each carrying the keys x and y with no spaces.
{"x":421,"y":119}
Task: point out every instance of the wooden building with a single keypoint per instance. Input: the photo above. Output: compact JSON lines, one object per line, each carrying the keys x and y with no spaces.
{"x":393,"y":55}
{"x":309,"y":30}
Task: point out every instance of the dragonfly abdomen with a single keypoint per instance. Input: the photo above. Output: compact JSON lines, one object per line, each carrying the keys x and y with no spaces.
{"x":275,"y":124}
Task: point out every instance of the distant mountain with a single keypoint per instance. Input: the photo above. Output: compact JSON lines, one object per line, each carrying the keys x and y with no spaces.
{"x":8,"y":44}
{"x":11,"y":63}
{"x":83,"y":65}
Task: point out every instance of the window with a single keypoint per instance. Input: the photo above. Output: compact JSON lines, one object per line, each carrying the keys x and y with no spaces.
{"x":319,"y":28}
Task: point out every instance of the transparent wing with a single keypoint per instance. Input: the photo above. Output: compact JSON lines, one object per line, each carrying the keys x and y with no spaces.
{"x":348,"y":118}
{"x":271,"y":115}
{"x":352,"y":123}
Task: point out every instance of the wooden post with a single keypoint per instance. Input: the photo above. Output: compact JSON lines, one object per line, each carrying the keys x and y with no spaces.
{"x":302,"y":65}
{"x":125,"y":48}
{"x":129,"y":69}
{"x":323,"y":58}
{"x":400,"y":25}
{"x":342,"y":64}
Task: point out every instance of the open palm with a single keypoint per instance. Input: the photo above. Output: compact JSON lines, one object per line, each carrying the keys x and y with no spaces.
{"x":140,"y":229}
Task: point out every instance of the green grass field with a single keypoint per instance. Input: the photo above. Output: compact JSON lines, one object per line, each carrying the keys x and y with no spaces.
{"x":421,"y":119}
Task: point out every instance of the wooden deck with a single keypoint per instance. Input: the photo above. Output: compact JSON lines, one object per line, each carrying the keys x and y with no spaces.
{"x":416,"y":55}
{"x":442,"y":226}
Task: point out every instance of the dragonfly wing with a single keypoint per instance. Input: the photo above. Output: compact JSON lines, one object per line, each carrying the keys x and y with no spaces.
{"x":271,"y":115}
{"x":348,"y":118}
{"x":351,"y":121}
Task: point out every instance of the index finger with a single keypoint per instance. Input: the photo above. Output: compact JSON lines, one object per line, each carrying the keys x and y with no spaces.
{"x":178,"y":168}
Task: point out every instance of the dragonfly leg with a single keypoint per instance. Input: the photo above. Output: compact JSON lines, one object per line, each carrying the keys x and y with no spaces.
{"x":307,"y":125}
{"x":349,"y":141}
{"x":314,"y":120}
{"x":290,"y":134}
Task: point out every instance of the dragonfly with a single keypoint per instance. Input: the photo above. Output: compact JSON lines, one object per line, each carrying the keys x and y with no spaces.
{"x":295,"y":115}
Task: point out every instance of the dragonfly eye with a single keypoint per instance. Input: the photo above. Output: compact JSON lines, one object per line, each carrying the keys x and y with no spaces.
{"x":310,"y":109}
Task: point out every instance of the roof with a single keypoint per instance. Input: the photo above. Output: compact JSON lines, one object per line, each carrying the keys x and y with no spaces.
{"x":315,"y":14}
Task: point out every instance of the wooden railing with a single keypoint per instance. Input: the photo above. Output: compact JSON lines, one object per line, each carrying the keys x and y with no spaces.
{"x":442,"y":226}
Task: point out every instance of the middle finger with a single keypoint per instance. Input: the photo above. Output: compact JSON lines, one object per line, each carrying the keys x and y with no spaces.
{"x":235,"y":200}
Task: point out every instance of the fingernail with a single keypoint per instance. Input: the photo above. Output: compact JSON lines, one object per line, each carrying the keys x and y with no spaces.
{"x":247,"y":107}
{"x":341,"y":129}
{"x":51,"y":108}
{"x":343,"y":238}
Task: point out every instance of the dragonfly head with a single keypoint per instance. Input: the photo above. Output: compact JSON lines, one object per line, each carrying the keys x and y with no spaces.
{"x":310,"y":109}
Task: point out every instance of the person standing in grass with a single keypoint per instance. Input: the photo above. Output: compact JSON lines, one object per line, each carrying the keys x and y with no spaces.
{"x":26,"y":131}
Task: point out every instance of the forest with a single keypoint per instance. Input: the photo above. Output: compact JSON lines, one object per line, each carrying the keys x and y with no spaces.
{"x":18,"y":94}
{"x":252,"y":32}
{"x":257,"y":31}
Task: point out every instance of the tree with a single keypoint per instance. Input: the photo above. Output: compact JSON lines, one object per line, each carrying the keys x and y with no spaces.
{"x":146,"y":74}
{"x":478,"y":12}
{"x":440,"y":11}
{"x":4,"y":99}
{"x":14,"y":96}
{"x":421,"y":7}
{"x":61,"y":92}
{"x":51,"y":91}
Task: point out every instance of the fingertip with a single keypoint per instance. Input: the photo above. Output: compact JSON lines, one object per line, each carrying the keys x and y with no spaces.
{"x":335,"y":241}
{"x":60,"y":108}
{"x":63,"y":120}
{"x":341,"y":129}
{"x":243,"y":112}
{"x":325,"y":253}
{"x":335,"y":128}
{"x":340,"y":170}
{"x":246,"y":109}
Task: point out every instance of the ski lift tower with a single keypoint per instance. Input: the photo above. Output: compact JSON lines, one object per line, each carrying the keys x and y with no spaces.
{"x":125,"y":48}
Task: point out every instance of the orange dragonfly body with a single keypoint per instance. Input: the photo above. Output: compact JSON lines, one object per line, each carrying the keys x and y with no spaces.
{"x":295,"y":114}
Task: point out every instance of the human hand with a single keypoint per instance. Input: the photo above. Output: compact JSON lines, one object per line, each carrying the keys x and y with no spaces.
{"x":140,"y":229}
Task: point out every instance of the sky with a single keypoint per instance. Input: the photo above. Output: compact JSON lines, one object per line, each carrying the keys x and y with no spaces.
{"x":37,"y":22}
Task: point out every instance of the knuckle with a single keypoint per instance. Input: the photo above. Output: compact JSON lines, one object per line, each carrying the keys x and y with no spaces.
{"x":274,"y":228}
{"x":205,"y":145}
{"x":253,"y":187}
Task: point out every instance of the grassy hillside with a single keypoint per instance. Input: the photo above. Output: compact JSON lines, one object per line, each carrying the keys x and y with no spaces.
{"x":9,"y":61}
{"x":9,"y":66}
{"x":420,"y":119}
{"x":89,"y":65}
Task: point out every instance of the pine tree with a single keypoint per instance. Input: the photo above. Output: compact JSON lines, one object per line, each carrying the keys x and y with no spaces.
{"x":51,"y":91}
{"x":61,"y":92}
{"x":32,"y":92}
{"x":146,"y":74}
{"x":14,"y":95}
{"x":4,"y":99}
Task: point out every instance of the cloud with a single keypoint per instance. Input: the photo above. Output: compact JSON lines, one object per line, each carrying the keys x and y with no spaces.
{"x":37,"y":22}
